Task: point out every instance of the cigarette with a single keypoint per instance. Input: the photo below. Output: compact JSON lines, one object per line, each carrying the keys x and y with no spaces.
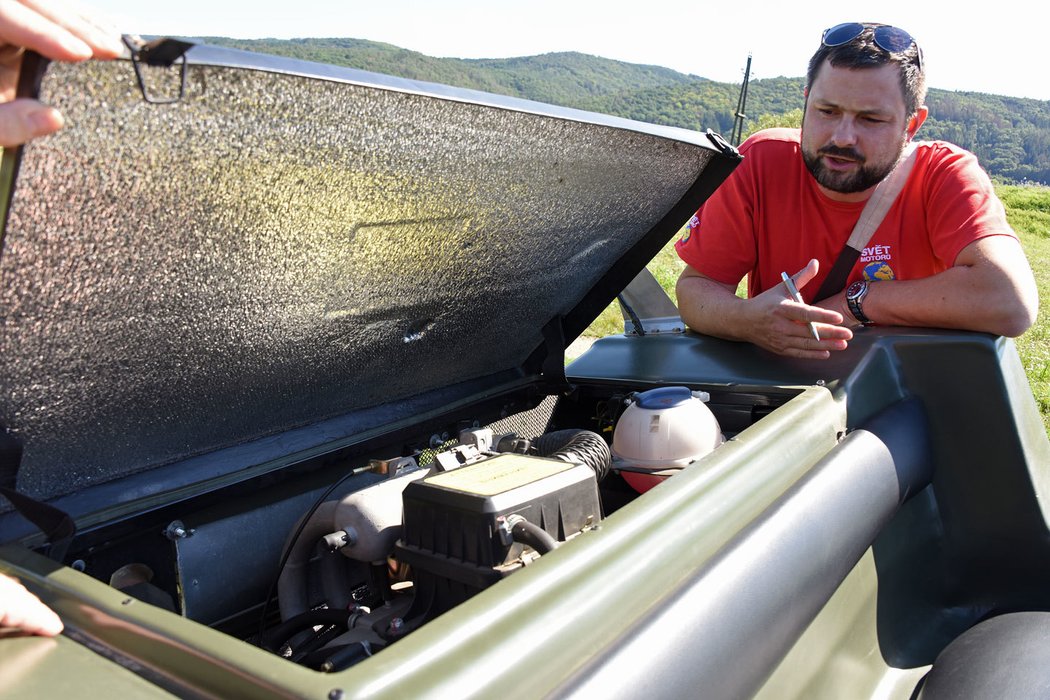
{"x":793,"y":291}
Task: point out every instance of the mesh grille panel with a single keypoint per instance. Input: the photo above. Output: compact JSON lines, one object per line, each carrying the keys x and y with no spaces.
{"x":528,"y":424}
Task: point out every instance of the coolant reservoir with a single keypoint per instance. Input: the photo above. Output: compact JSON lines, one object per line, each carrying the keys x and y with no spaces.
{"x":661,"y":429}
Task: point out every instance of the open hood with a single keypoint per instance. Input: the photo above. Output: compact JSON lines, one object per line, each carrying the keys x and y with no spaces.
{"x":236,"y":258}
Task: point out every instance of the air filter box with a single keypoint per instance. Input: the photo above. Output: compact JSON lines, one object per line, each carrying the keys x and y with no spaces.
{"x":452,"y":529}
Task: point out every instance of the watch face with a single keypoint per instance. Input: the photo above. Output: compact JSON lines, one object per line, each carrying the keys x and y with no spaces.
{"x":855,"y":290}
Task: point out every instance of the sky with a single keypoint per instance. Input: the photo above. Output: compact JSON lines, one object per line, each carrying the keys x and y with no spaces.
{"x":990,"y":50}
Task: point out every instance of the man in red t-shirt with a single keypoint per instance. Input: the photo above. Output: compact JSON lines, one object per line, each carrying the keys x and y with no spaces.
{"x":943,"y":256}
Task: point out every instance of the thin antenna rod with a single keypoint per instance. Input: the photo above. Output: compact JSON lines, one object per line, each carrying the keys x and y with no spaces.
{"x":741,"y":115}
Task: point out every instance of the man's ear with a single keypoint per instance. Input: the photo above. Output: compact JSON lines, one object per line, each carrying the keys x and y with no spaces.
{"x":916,"y":121}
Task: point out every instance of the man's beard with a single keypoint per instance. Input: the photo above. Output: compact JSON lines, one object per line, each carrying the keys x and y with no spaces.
{"x":864,"y":176}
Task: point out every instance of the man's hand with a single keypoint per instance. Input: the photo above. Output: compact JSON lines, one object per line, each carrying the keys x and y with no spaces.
{"x":21,"y":610}
{"x":53,"y":28}
{"x":780,"y":324}
{"x":771,"y":320}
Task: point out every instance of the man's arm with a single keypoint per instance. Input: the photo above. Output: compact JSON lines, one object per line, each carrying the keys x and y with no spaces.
{"x":990,"y":288}
{"x":771,"y":320}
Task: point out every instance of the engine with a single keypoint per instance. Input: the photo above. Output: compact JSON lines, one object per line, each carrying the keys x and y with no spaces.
{"x":360,"y":552}
{"x":428,"y":538}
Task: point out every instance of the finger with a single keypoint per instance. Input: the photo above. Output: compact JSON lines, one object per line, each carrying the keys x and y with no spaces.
{"x":804,"y":354}
{"x":808,"y":348}
{"x":95,"y":29}
{"x":832,"y":331}
{"x":804,"y":313}
{"x":47,"y":31}
{"x":24,"y":119}
{"x":801,"y":347}
{"x":789,"y":338}
{"x":22,"y":26}
{"x":828,"y":321}
{"x":803,"y":276}
{"x":33,"y":617}
{"x":22,"y":610}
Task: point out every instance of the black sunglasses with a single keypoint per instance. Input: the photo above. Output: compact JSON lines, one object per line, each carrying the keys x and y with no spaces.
{"x":887,"y":38}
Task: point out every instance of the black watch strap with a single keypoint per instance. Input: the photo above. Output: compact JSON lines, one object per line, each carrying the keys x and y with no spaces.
{"x":855,"y":298}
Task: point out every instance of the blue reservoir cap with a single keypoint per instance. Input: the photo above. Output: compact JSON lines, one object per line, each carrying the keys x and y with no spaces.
{"x":664,"y":397}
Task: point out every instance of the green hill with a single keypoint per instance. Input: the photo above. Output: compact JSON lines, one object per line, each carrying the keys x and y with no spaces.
{"x":1011,"y":136}
{"x":557,"y":78}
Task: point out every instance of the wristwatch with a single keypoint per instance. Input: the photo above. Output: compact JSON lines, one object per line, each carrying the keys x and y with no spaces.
{"x":854,"y":298}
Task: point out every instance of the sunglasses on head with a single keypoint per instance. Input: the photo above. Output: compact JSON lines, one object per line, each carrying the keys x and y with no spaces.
{"x":887,"y":38}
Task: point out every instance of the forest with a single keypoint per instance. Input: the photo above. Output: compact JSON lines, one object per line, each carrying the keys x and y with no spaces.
{"x":1011,"y":136}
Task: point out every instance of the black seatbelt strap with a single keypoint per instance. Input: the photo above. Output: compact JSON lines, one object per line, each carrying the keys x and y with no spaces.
{"x":836,"y":279}
{"x":874,"y":212}
{"x":56,"y":524}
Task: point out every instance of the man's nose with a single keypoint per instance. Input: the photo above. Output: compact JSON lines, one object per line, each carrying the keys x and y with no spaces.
{"x":845,"y":133}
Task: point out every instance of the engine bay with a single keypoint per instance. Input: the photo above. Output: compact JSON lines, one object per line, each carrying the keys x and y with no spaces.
{"x":337,"y":558}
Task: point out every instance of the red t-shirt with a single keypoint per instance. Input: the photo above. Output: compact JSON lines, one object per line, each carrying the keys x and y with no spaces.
{"x":770,"y":217}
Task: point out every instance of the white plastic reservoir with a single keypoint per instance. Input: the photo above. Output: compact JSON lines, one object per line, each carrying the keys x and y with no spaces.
{"x":665,"y":428}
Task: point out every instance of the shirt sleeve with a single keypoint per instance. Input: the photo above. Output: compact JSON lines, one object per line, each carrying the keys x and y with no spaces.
{"x":719,"y":241}
{"x":961,"y":204}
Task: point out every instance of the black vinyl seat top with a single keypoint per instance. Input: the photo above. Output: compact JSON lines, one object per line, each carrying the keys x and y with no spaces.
{"x":1007,"y":656}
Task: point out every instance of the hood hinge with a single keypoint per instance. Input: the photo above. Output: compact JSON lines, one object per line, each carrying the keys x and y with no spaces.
{"x":160,"y":53}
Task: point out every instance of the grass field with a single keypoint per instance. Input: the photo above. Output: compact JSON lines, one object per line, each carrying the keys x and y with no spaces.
{"x":1028,"y":210}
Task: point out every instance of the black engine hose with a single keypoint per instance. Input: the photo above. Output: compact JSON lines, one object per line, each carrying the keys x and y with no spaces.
{"x":275,"y":638}
{"x":533,"y":535}
{"x":581,"y":446}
